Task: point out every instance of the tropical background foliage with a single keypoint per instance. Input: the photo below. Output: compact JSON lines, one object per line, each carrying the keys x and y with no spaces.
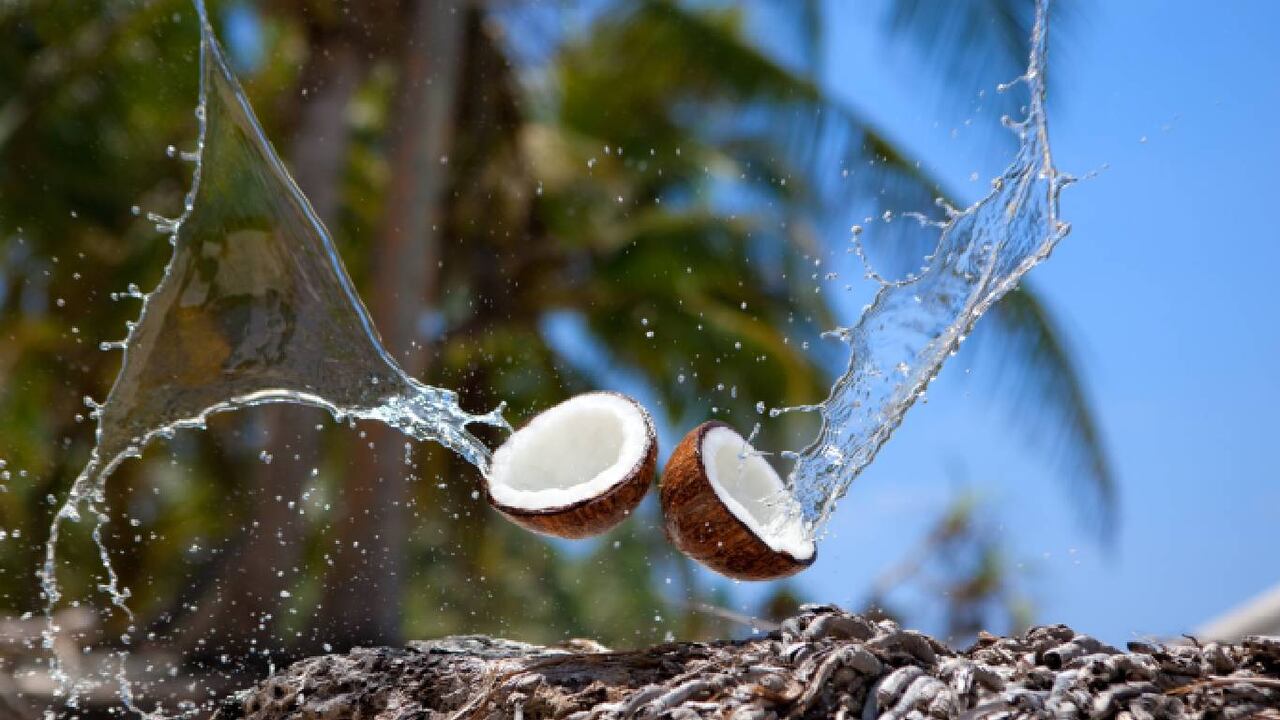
{"x":637,"y":195}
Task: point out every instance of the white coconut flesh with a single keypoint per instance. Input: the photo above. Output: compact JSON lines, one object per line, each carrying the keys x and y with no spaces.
{"x":755,"y":494}
{"x":575,"y":451}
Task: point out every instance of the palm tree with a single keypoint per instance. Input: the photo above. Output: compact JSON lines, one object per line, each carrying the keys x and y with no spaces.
{"x":590,"y":204}
{"x":648,"y":195}
{"x":1023,"y":334}
{"x":632,"y":84}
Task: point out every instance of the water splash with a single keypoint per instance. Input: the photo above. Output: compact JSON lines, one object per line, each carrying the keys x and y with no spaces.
{"x":255,"y":307}
{"x":913,"y":325}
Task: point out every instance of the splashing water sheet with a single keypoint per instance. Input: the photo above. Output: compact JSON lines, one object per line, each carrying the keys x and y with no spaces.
{"x":254,"y":307}
{"x":912,"y":326}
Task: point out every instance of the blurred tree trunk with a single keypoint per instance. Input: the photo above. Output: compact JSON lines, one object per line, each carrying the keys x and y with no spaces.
{"x":362,"y":594}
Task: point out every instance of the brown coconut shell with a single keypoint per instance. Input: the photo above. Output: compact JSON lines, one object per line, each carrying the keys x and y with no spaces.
{"x":702,"y":526}
{"x":594,"y":515}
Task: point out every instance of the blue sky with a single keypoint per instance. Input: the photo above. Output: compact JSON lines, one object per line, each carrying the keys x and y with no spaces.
{"x":1166,"y":285}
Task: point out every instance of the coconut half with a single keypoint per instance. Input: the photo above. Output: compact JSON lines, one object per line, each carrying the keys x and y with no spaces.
{"x":576,"y":469}
{"x":726,"y":507}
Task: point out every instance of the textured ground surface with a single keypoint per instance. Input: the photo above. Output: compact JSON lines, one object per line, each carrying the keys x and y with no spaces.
{"x":822,"y":663}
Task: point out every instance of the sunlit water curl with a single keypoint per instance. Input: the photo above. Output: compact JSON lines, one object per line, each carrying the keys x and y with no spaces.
{"x":913,"y":325}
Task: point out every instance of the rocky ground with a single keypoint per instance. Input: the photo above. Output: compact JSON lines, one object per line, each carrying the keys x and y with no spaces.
{"x":822,"y":663}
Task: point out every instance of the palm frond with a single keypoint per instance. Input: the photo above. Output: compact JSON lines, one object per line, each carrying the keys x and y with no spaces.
{"x":1036,"y":368}
{"x":987,"y":40}
{"x":692,"y":274}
